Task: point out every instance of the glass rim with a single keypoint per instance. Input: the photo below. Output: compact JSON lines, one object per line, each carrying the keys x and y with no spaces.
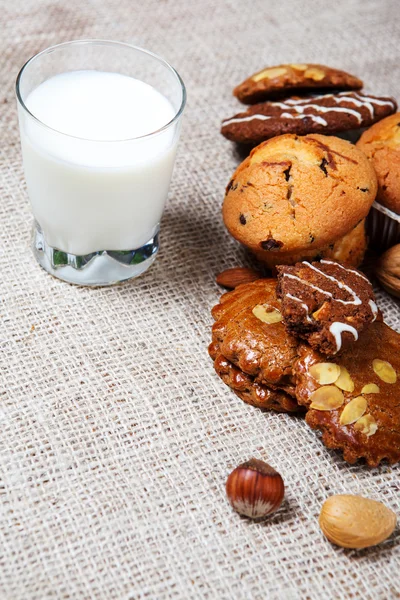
{"x":167,"y":125}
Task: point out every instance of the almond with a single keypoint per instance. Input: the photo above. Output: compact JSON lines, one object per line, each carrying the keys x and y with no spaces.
{"x":384,"y":370}
{"x":231,"y":278}
{"x":325,"y":373}
{"x":353,"y":411}
{"x":344,"y":381}
{"x":328,"y":397}
{"x":267,"y":314}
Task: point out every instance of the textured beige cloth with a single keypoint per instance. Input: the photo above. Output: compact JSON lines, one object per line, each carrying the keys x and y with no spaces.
{"x":116,"y":436}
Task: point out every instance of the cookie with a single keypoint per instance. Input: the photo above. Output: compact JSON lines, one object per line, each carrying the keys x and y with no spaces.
{"x":326,"y":304}
{"x":247,"y":389}
{"x":358,"y":413}
{"x":250,"y":334}
{"x":285,"y":79}
{"x":295,"y":196}
{"x":381,"y":143}
{"x":327,"y":114}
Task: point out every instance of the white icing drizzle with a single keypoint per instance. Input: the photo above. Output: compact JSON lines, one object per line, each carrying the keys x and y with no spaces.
{"x":356,"y":300}
{"x":332,"y":262}
{"x":299,"y":106}
{"x":337,"y":328}
{"x":258,"y":117}
{"x":303,"y":304}
{"x":374,"y":309}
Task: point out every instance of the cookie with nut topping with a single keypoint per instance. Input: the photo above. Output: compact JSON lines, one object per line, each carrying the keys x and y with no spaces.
{"x":327,"y":114}
{"x":286,"y":79}
{"x":326,"y":304}
{"x":354,"y":400}
{"x":249,"y":333}
{"x":247,"y":389}
{"x":296,"y":197}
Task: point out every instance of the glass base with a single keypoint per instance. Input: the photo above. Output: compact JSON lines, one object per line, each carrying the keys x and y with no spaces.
{"x":105,"y":267}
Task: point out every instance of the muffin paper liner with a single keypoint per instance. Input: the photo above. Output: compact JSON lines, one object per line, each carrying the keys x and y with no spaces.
{"x":383,"y":227}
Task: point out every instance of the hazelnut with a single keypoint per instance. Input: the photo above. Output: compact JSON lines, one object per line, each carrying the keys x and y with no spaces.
{"x":255,"y":489}
{"x":388,"y":270}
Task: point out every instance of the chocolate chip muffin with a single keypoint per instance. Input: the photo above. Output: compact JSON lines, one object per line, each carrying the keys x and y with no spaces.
{"x":285,"y":79}
{"x":296,"y":197}
{"x":326,"y":304}
{"x":381,"y":143}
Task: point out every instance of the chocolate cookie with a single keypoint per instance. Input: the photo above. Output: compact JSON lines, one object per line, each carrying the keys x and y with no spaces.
{"x":326,"y":304}
{"x":250,"y":334}
{"x":284,"y":79}
{"x":296,"y":196}
{"x":355,"y":400}
{"x":327,"y":114}
{"x":247,"y":389}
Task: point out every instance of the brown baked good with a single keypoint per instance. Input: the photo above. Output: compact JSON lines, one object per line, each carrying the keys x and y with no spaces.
{"x":294,"y":196}
{"x":257,"y":347}
{"x":327,"y":114}
{"x":381,"y":143}
{"x":370,"y":427}
{"x":326,"y":304}
{"x":284,"y":79}
{"x":247,"y":389}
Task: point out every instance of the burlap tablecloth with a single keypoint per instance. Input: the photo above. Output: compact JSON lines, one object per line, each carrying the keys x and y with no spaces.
{"x":116,"y":436}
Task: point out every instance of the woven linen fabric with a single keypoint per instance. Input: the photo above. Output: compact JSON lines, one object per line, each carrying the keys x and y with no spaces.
{"x":116,"y":436}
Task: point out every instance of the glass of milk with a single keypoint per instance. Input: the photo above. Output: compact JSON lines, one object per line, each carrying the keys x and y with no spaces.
{"x":99,"y":124}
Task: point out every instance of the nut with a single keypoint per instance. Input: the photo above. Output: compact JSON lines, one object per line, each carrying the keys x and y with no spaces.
{"x":344,"y":381}
{"x":370,"y":388}
{"x":384,"y":370}
{"x":267,"y":314}
{"x":356,"y":522}
{"x":255,"y":489}
{"x":299,"y":67}
{"x":353,"y":410}
{"x":387,"y":270}
{"x":269,"y":73}
{"x":367,"y":425}
{"x":315,"y":74}
{"x":328,"y":397}
{"x":325,"y":373}
{"x":231,"y":278}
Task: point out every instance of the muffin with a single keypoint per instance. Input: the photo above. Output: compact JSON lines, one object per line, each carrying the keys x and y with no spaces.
{"x":300,"y":198}
{"x":381,"y":143}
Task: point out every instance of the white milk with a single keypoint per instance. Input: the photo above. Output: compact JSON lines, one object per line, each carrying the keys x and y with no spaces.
{"x":97,"y":188}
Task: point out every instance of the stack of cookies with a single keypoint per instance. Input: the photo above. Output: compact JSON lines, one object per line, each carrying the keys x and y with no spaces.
{"x":313,"y":341}
{"x":302,"y":99}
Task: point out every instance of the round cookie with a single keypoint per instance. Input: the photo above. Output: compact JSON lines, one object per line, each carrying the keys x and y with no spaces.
{"x":284,"y":79}
{"x":296,"y":195}
{"x":250,"y":334}
{"x":247,"y":389}
{"x":381,"y":143}
{"x":326,"y":304}
{"x":370,"y":427}
{"x":327,"y":114}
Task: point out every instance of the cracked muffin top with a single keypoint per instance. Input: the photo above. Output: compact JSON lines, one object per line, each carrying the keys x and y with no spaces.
{"x":381,"y":143}
{"x":297,"y":194}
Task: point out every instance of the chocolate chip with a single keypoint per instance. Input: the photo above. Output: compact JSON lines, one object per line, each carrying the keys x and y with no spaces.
{"x":384,"y":187}
{"x":312,"y":238}
{"x":231,"y":186}
{"x":363,"y":189}
{"x":242,"y":219}
{"x":322,"y":166}
{"x":271,"y":244}
{"x":286,"y":173}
